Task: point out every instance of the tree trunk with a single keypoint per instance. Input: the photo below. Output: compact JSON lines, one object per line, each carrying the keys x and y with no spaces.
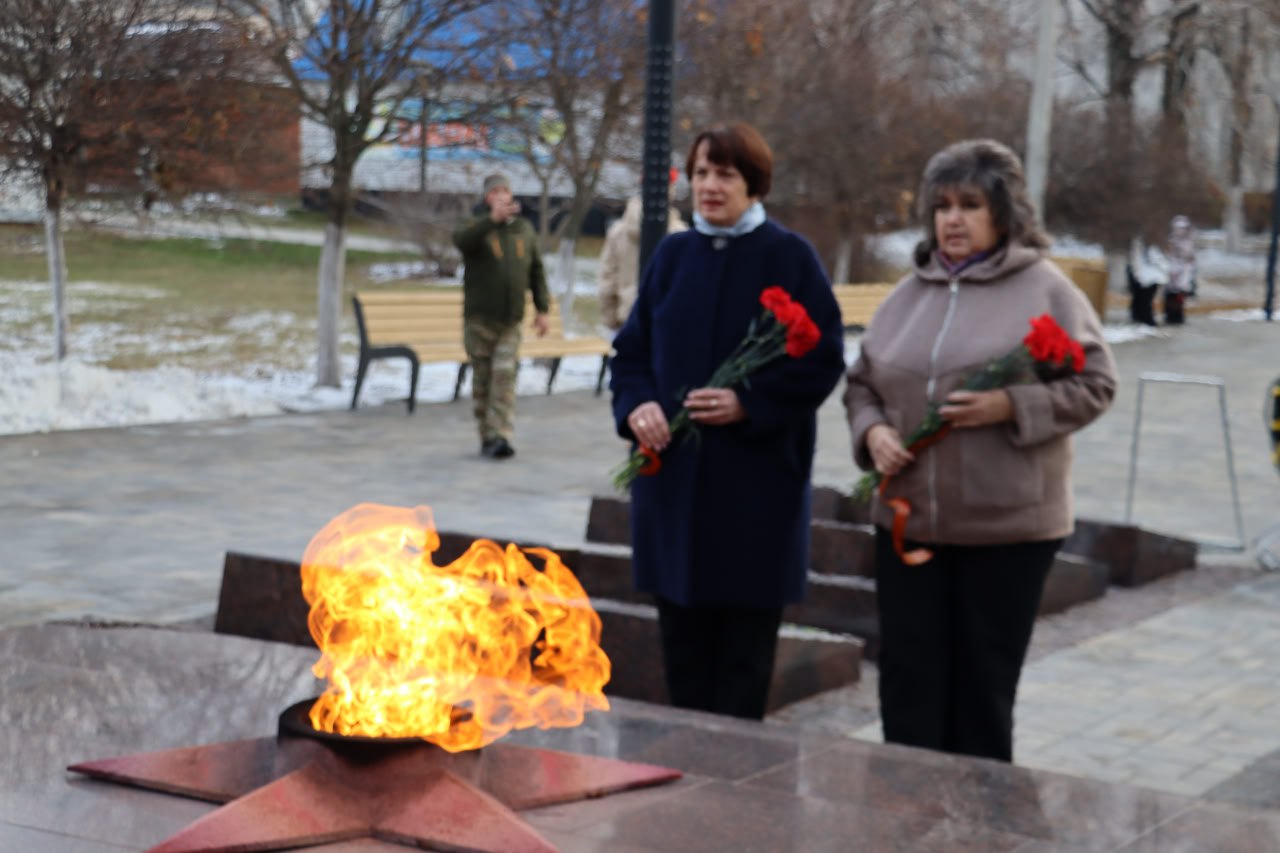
{"x":566,"y":272}
{"x":1180,"y":57}
{"x":1117,"y":280}
{"x":844,"y":256}
{"x":333,"y":262}
{"x":544,"y":215}
{"x":1233,"y":218}
{"x":57,"y":259}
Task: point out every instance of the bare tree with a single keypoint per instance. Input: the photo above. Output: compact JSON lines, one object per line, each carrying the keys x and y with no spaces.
{"x":853,"y":96}
{"x":1181,"y":47}
{"x":1231,"y":38}
{"x":100,"y":81}
{"x":584,"y":61}
{"x":352,"y":64}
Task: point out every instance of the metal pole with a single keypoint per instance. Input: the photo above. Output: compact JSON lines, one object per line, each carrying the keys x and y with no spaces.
{"x":1040,"y":114}
{"x":1269,"y":303}
{"x":1231,"y":464}
{"x":657,"y":125}
{"x":1133,"y":456}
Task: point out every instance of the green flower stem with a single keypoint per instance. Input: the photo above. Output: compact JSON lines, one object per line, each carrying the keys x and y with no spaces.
{"x":757,"y":349}
{"x":1012,"y":368}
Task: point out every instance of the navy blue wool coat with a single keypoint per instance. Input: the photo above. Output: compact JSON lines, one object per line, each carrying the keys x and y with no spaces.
{"x":726,"y":521}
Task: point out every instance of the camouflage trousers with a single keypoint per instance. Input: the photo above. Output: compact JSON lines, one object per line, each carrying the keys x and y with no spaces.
{"x":494,"y":351}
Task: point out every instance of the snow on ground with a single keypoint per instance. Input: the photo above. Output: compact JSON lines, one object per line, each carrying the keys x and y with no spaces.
{"x":895,"y":248}
{"x":1243,"y":315}
{"x":1124,"y":333}
{"x":38,"y":395}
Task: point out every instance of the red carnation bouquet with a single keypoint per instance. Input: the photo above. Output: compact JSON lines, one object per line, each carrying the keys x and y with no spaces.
{"x":783,"y":328}
{"x":1045,"y":353}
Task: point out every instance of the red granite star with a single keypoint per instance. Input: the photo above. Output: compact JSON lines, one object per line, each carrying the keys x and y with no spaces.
{"x":417,"y":795}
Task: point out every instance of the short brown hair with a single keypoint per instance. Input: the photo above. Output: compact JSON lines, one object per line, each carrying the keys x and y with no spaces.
{"x":741,"y":146}
{"x":991,"y":168}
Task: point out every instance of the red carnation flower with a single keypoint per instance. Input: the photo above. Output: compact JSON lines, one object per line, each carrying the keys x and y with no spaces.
{"x":802,"y":335}
{"x":792,"y":333}
{"x":1047,"y":342}
{"x":776,"y":301}
{"x":1075,"y":352}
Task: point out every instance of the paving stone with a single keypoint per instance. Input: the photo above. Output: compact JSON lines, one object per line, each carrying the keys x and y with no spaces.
{"x":132,"y":524}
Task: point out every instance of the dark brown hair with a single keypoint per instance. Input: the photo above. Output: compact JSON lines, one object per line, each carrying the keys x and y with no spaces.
{"x":995,"y":171}
{"x":741,"y":146}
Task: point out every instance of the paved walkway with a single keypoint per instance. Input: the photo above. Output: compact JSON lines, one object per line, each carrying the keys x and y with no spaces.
{"x":131,"y":524}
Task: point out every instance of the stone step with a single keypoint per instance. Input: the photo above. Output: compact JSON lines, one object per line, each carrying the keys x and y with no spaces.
{"x":836,"y":546}
{"x":1133,"y":556}
{"x":842,"y":541}
{"x":808,"y":662}
{"x":261,"y":597}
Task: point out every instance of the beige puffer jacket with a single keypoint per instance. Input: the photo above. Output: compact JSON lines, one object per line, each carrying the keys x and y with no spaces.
{"x":620,"y":262}
{"x":1004,"y":483}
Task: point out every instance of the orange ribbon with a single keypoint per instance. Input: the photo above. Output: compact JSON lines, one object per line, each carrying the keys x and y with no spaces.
{"x":902,"y":509}
{"x":653,"y":466}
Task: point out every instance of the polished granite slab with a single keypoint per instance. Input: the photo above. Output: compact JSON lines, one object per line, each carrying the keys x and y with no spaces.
{"x":75,"y":693}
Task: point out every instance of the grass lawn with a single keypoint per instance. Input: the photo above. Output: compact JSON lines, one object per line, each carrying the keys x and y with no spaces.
{"x":208,"y":305}
{"x":178,"y":301}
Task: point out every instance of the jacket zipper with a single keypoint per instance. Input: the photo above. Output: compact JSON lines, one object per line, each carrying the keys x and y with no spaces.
{"x":930,"y":387}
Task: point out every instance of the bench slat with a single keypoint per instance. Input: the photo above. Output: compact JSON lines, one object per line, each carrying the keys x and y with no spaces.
{"x":430,"y":324}
{"x":858,"y":302}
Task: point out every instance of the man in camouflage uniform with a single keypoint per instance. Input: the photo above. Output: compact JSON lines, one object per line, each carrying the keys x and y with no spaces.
{"x":502,"y":264}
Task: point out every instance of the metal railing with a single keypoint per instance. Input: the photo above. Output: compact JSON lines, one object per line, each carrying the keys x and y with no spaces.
{"x":1204,"y":381}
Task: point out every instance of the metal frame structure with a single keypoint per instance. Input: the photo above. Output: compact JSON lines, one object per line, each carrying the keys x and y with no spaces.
{"x":1266,"y":547}
{"x":1205,"y":381}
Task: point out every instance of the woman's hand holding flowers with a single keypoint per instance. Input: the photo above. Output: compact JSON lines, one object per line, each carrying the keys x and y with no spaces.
{"x":649,"y":424}
{"x":977,"y":408}
{"x":887,"y":450}
{"x":714,"y":406}
{"x":784,"y":328}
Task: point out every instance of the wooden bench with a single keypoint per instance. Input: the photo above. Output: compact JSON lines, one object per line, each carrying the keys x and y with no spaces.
{"x":858,"y":302}
{"x":426,"y":326}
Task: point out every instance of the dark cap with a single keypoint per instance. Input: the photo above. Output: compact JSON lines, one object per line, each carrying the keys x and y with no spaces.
{"x":494,"y":181}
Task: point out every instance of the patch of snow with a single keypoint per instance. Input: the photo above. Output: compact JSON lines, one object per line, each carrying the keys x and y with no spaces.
{"x":1242,"y":315}
{"x":1218,"y":262}
{"x":388,"y":271}
{"x":1066,"y":246}
{"x":894,"y":247}
{"x":38,"y":396}
{"x":1125,"y":332}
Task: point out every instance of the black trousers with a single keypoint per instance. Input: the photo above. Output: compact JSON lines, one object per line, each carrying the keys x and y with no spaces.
{"x":1141,"y":300}
{"x":719,"y":659}
{"x":1175,"y":308}
{"x":953,"y":637}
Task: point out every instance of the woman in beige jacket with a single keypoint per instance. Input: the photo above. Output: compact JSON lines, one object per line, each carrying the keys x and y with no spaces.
{"x":620,"y":261}
{"x":991,"y":500}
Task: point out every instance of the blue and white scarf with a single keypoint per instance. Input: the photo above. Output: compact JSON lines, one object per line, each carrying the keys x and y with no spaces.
{"x":752,"y":219}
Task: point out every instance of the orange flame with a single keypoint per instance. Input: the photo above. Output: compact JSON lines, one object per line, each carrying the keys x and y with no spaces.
{"x":458,"y":655}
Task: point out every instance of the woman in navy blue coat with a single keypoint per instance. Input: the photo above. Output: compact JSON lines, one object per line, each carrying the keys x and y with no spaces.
{"x":721,"y":533}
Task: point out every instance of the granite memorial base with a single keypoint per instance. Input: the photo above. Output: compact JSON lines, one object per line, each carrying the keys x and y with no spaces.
{"x":1133,"y":556}
{"x":76,"y":693}
{"x":837,"y":546}
{"x":1072,"y":580}
{"x":261,"y":598}
{"x":808,"y":662}
{"x":841,"y":592}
